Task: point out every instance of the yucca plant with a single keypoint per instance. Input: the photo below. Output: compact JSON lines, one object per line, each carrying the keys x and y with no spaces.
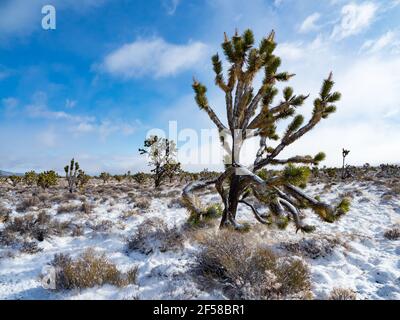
{"x":253,"y":114}
{"x":71,"y":174}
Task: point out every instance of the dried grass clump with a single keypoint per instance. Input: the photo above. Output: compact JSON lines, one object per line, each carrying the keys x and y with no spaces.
{"x":154,"y":234}
{"x":27,"y":203}
{"x":175,"y":203}
{"x":87,"y":207}
{"x":37,"y":227}
{"x":312,"y":248}
{"x":392,"y":234}
{"x":69,"y":208}
{"x":143,"y":203}
{"x":4,"y":214}
{"x":246,"y":271}
{"x":342,"y":294}
{"x":89,"y":270}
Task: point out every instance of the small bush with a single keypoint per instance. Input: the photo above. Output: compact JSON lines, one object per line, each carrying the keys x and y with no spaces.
{"x":89,"y":270}
{"x":4,"y":214}
{"x":27,"y":203}
{"x":246,"y":271}
{"x":393,"y":234}
{"x":68,"y":208}
{"x":312,"y":248}
{"x":142,"y":203}
{"x":87,"y":208}
{"x":154,"y":234}
{"x":342,"y":294}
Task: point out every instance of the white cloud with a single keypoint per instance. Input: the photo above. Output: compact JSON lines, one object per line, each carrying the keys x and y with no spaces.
{"x":70,"y":103}
{"x":309,"y":24}
{"x":170,"y":6}
{"x":389,"y":39}
{"x":354,"y":19}
{"x":155,"y":58}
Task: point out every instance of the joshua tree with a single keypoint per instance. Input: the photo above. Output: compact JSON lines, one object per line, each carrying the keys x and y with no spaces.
{"x":105,"y":177}
{"x":344,"y":155}
{"x":251,"y":114}
{"x":47,"y":179}
{"x":71,"y":174}
{"x":162,"y":154}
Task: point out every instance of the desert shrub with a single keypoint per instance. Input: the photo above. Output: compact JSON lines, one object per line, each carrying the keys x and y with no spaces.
{"x":88,"y":270}
{"x":27,"y":203}
{"x":103,"y":226}
{"x":175,"y":203}
{"x":4,"y":213}
{"x":87,"y":207}
{"x":206,"y":218}
{"x":392,"y":234}
{"x":142,"y":203}
{"x":30,"y":247}
{"x":132,"y":275}
{"x":246,"y":271}
{"x":312,"y":248}
{"x":47,"y":179}
{"x":77,"y":231}
{"x":68,"y":208}
{"x":140,"y":177}
{"x":30,"y":178}
{"x":154,"y":234}
{"x":30,"y":226}
{"x":342,"y":294}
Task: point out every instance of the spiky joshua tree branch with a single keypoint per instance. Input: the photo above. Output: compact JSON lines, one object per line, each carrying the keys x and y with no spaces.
{"x":252,"y":113}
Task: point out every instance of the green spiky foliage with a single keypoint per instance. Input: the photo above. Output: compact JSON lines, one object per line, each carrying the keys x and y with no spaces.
{"x":139,"y":177}
{"x":255,"y":113}
{"x":105,"y":176}
{"x":47,"y":179}
{"x":71,"y":175}
{"x":30,"y":178}
{"x":119,"y":177}
{"x":82,"y":179}
{"x":162,"y":156}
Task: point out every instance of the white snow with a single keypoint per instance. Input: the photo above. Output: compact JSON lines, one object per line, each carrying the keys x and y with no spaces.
{"x":365,"y":260}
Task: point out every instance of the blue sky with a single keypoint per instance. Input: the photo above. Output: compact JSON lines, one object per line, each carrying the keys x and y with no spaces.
{"x":114,"y":69}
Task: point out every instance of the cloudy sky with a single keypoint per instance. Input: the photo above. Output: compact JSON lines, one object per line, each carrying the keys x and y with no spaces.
{"x":115,"y":69}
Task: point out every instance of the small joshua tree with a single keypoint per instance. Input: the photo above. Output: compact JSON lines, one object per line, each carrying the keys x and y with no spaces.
{"x":105,"y":177}
{"x":30,"y":178}
{"x":119,"y":177}
{"x":345,"y":153}
{"x":252,"y":114}
{"x":71,"y":174}
{"x":47,"y":179}
{"x":162,"y":155}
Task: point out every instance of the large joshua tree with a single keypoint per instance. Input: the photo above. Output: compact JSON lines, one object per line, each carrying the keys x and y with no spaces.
{"x":253,"y":114}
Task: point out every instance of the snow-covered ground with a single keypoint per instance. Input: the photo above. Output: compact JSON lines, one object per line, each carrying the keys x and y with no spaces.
{"x":355,"y":253}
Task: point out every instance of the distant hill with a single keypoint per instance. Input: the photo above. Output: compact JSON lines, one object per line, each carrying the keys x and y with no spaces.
{"x":7,"y":174}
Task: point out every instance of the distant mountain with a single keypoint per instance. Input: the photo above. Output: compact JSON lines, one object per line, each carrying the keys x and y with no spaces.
{"x":7,"y":174}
